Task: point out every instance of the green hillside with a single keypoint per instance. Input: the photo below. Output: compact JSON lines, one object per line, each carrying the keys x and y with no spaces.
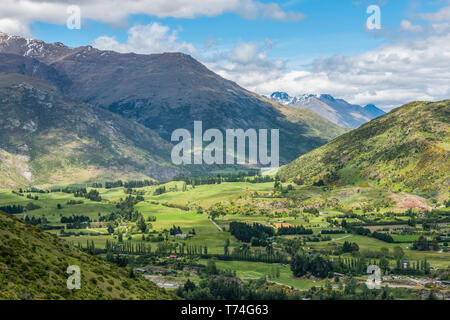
{"x":33,"y":265}
{"x":406,"y":150}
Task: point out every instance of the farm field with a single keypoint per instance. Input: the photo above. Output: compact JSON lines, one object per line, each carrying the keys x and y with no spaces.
{"x":257,"y":270}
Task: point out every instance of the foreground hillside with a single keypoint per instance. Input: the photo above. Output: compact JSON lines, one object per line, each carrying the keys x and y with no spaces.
{"x":33,"y":265}
{"x":405,"y":150}
{"x":46,"y":137}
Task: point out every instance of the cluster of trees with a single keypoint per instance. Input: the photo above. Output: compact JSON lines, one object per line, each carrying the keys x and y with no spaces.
{"x":258,"y":242}
{"x":126,"y":210}
{"x":277,"y":186}
{"x":244,"y":253}
{"x":33,"y":190}
{"x":35,"y":221}
{"x":294,"y":230}
{"x":159,"y":190}
{"x":126,"y":184}
{"x":332,"y":231}
{"x":112,"y":247}
{"x":92,"y":195}
{"x":175,"y":230}
{"x":74,"y":218}
{"x":348,"y":247}
{"x":321,"y":267}
{"x":420,"y":267}
{"x":386,"y":237}
{"x":76,"y":222}
{"x":311,"y":210}
{"x":260,"y":179}
{"x":382,"y":236}
{"x":354,"y":229}
{"x":356,"y":266}
{"x":351,"y":290}
{"x":245,"y":232}
{"x":12,"y":209}
{"x":69,"y":190}
{"x":219,"y":209}
{"x":231,"y":288}
{"x":316,"y":265}
{"x":74,"y":202}
{"x":423,"y":244}
{"x":249,"y":176}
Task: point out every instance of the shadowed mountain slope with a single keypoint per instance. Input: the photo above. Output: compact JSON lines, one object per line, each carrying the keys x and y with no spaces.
{"x":46,"y":137}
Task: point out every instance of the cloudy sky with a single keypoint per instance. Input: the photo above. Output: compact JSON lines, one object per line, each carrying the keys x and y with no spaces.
{"x":296,"y":46}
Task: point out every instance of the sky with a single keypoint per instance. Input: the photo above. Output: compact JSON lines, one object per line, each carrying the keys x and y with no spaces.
{"x":295,"y":46}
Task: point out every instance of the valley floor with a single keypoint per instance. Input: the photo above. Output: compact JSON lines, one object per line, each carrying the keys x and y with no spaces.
{"x":187,"y":227}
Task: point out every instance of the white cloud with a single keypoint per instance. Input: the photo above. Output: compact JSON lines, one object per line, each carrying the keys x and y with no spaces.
{"x":13,"y":26}
{"x":247,"y":63}
{"x":406,"y":25}
{"x":409,"y":68}
{"x":25,"y":12}
{"x":389,"y":76}
{"x":442,"y":15}
{"x":152,"y":38}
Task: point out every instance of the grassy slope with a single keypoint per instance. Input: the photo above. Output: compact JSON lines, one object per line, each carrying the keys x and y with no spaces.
{"x":407,"y":149}
{"x":33,"y":265}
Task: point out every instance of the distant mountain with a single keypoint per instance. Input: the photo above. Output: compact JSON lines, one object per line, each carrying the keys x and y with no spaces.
{"x":374,"y":111}
{"x":47,"y":137}
{"x":33,"y":266}
{"x":165,"y":92}
{"x":337,"y":111}
{"x":407,"y":149}
{"x":38,"y":49}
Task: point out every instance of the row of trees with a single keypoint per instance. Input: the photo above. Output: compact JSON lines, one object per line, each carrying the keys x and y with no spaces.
{"x":366,"y":232}
{"x":126,"y":184}
{"x":294,"y":230}
{"x":423,"y":244}
{"x":14,"y":209}
{"x":251,"y":176}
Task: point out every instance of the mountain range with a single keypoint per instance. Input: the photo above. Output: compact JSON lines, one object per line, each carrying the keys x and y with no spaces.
{"x":337,"y":111}
{"x":109,"y":99}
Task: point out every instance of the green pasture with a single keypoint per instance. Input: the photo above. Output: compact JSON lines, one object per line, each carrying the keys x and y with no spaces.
{"x":256,"y":270}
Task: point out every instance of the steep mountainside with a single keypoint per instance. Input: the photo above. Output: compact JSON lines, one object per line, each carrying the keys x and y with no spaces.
{"x":33,"y":265}
{"x":12,"y":63}
{"x":407,"y":149}
{"x":168,"y":91}
{"x":373,"y":111}
{"x":337,"y":111}
{"x":45,"y":52}
{"x":46,"y":137}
